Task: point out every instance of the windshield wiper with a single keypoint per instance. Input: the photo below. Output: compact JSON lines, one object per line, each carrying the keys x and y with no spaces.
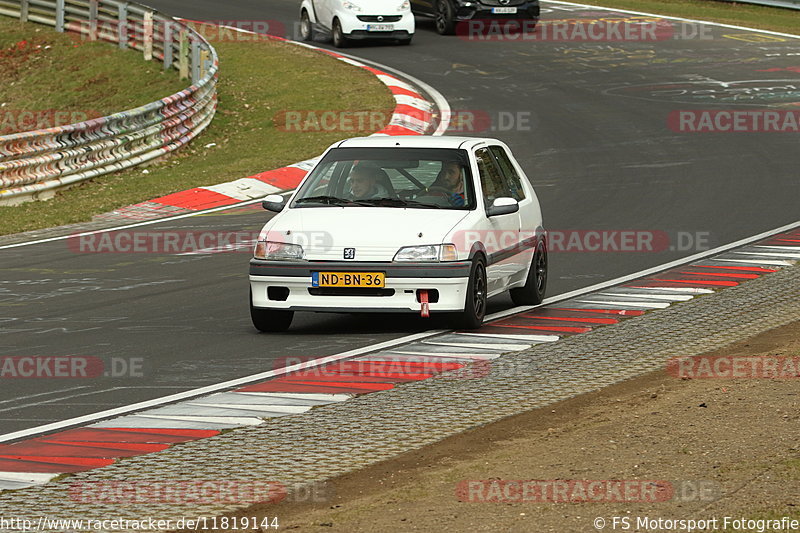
{"x":396,"y":202}
{"x":329,"y":200}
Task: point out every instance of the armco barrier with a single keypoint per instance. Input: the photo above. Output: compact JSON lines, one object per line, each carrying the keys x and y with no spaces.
{"x":34,"y":164}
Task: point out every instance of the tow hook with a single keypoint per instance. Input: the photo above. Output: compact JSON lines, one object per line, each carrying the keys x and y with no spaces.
{"x":425,"y":310}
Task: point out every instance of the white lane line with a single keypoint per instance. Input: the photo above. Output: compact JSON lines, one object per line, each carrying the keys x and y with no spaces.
{"x":478,"y":346}
{"x":613,"y":9}
{"x":303,"y":396}
{"x":770,"y":254}
{"x":635,"y":305}
{"x":27,"y":477}
{"x":766,"y":262}
{"x":288,"y":409}
{"x":690,"y":290}
{"x":476,"y":356}
{"x":668,"y":297}
{"x":519,"y":337}
{"x":228,"y":420}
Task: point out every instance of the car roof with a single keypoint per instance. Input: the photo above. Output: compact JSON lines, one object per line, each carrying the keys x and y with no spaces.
{"x":414,"y":141}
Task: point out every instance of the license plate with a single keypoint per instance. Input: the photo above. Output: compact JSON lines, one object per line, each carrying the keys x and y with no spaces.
{"x":504,"y":10}
{"x":348,"y":279}
{"x":380,"y":27}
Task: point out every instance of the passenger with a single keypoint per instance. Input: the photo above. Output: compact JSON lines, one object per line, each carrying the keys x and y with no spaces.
{"x":364,"y":183}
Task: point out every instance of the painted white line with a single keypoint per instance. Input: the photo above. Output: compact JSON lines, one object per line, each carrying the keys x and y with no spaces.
{"x":289,"y":409}
{"x":757,"y":262}
{"x":479,"y":346}
{"x":770,"y":254}
{"x":230,"y":420}
{"x":476,"y":356}
{"x":520,"y":337}
{"x":27,"y":477}
{"x":606,"y":8}
{"x":635,"y":305}
{"x":690,"y":290}
{"x":648,"y":296}
{"x":302,"y":396}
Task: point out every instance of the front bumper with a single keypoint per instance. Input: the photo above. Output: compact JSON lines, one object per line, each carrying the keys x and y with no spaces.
{"x":357,"y":29}
{"x":285,"y":286}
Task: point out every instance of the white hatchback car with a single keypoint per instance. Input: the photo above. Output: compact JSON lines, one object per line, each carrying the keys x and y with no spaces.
{"x":401,"y":224}
{"x":349,"y":20}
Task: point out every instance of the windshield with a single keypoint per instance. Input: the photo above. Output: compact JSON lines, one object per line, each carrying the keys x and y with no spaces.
{"x":418,"y":178}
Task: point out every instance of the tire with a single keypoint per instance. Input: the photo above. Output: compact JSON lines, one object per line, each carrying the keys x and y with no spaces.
{"x":532,"y":293}
{"x":404,"y":42}
{"x":475,"y":299}
{"x":444,"y":17}
{"x":306,"y":28}
{"x":270,"y":320}
{"x":339,"y":38}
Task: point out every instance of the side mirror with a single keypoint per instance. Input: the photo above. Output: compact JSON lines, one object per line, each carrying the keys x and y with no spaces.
{"x":502,"y":206}
{"x":274,"y":203}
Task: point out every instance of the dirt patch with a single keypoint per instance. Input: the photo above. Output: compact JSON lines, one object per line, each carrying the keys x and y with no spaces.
{"x":725,"y":447}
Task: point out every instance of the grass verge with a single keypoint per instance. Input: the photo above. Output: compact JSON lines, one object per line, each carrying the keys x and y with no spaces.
{"x":259,"y":80}
{"x":41,"y":70}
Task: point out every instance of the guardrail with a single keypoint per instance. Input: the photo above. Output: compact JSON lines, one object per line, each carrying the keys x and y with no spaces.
{"x":790,"y":4}
{"x":34,"y":164}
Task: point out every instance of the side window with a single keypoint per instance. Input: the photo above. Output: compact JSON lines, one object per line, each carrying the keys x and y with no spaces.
{"x":492,"y":181}
{"x":514,"y":181}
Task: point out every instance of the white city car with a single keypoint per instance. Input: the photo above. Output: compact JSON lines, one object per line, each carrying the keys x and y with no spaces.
{"x":401,"y":224}
{"x":349,"y":20}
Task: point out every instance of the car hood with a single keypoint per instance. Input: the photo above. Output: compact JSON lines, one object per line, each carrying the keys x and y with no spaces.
{"x":376,"y":233}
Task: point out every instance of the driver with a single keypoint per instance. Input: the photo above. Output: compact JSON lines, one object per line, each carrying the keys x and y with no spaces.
{"x":364,"y":183}
{"x":450,"y":179}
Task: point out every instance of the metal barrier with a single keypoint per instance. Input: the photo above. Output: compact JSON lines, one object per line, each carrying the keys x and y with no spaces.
{"x":34,"y":164}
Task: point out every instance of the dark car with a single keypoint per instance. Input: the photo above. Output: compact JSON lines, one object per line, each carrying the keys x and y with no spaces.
{"x":452,"y":15}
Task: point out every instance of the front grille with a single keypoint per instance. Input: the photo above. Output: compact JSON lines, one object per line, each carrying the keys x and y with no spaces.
{"x":349,"y":291}
{"x":383,"y":18}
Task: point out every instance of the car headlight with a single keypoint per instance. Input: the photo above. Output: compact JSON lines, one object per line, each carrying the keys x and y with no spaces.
{"x":351,"y":6}
{"x":427,"y":253}
{"x":279,"y":251}
{"x":405,"y":6}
